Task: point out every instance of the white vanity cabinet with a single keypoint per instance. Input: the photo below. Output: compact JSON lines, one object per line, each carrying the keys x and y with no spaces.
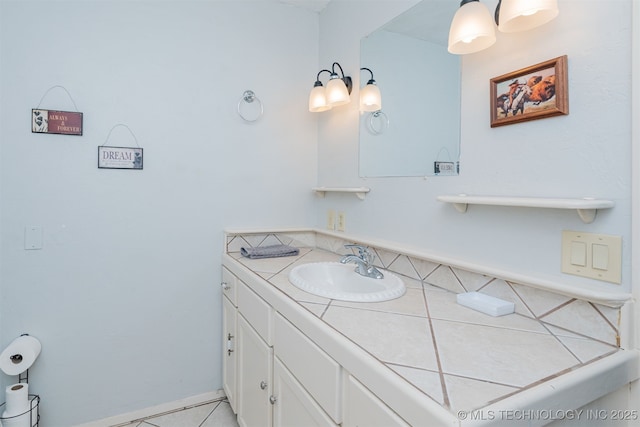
{"x":261,"y":388}
{"x":276,"y":376}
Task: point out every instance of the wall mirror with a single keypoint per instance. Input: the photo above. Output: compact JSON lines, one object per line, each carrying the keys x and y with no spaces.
{"x":417,"y":130}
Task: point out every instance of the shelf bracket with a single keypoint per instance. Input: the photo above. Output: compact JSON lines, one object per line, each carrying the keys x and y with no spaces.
{"x":461,"y":207}
{"x":587,"y":215}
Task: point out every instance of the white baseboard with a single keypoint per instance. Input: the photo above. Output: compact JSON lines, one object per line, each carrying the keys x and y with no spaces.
{"x":154,"y":410}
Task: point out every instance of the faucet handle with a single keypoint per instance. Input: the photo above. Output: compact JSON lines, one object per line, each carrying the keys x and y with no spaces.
{"x":363,"y":252}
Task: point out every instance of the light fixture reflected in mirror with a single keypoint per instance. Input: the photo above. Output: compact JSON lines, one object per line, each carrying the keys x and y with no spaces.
{"x":336,"y":94}
{"x":522,"y":15}
{"x":370,"y":98}
{"x":472,"y":28}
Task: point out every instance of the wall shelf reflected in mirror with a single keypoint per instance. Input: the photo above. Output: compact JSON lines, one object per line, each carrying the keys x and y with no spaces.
{"x":360,"y":192}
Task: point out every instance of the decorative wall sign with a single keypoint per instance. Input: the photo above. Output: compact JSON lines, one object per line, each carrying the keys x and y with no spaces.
{"x":532,"y":93}
{"x":445,"y":168}
{"x":57,"y":122}
{"x":119,"y":157}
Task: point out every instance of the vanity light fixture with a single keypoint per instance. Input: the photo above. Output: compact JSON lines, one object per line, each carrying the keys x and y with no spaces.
{"x":336,"y":94}
{"x":370,"y":98}
{"x":472,"y":30}
{"x":522,"y":15}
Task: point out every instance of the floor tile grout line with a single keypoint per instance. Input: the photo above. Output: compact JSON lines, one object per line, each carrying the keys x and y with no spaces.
{"x":210,"y":413}
{"x":173,"y":411}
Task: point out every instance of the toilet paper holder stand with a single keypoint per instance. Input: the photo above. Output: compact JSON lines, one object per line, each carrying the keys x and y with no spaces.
{"x":33,"y":400}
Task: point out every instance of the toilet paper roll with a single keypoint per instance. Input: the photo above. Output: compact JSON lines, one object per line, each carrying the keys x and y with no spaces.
{"x":18,"y":408}
{"x":17,"y":399}
{"x":20,"y":355}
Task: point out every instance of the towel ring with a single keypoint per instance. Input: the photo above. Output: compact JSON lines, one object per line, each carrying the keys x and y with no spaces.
{"x":249,"y":97}
{"x":382,"y":122}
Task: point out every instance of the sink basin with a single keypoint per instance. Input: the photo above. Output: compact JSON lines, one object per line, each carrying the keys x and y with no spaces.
{"x":340,"y":281}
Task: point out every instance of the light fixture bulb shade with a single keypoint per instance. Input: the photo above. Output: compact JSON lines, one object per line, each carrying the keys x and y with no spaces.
{"x":318,"y":100}
{"x":370,"y":98}
{"x":472,"y":29}
{"x":522,"y":15}
{"x":337,"y":93}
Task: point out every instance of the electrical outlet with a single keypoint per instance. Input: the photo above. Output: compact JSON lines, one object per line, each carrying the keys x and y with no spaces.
{"x":331,"y":219}
{"x":342,"y":221}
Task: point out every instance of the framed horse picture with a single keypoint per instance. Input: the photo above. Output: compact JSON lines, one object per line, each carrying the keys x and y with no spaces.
{"x":531,"y":93}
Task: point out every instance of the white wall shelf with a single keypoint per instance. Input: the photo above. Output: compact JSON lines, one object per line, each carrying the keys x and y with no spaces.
{"x":360,"y":192}
{"x":587,"y":208}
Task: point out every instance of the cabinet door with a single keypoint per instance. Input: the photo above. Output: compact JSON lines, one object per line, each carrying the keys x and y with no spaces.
{"x":229,"y":347}
{"x":363,"y":409}
{"x":254,"y":377}
{"x":293,"y":406}
{"x":315,"y":370}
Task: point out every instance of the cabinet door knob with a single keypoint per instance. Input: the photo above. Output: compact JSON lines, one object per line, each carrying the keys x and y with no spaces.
{"x":263,"y":385}
{"x":273,"y":399}
{"x":225,"y":286}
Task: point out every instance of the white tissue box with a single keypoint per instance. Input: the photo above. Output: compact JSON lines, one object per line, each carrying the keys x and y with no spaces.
{"x":486,"y":304}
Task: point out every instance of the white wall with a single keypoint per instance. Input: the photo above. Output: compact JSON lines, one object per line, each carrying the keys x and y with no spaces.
{"x":124,"y":295}
{"x":586,"y":153}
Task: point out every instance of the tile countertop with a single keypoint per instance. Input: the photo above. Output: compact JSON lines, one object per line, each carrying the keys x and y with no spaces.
{"x":462,"y":359}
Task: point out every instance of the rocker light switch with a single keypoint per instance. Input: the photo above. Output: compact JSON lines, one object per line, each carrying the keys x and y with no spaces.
{"x":600,"y":256}
{"x":579,"y":254}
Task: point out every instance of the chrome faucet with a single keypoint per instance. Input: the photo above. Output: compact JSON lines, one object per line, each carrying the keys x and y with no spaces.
{"x":363,"y":261}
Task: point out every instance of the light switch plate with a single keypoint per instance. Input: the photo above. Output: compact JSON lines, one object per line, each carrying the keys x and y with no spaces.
{"x":331,"y":219}
{"x":602,"y":253}
{"x":32,"y":238}
{"x":342,"y":221}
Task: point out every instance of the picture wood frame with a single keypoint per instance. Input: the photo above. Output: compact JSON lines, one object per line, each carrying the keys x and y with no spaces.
{"x":532,"y":93}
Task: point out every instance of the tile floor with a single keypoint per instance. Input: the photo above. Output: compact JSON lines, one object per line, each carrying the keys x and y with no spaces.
{"x":217,"y":413}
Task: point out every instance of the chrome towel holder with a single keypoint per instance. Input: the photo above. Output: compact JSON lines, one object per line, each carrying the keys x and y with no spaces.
{"x":248,"y":98}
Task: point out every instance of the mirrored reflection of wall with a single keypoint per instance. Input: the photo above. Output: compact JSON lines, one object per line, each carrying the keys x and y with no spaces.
{"x":420,"y":85}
